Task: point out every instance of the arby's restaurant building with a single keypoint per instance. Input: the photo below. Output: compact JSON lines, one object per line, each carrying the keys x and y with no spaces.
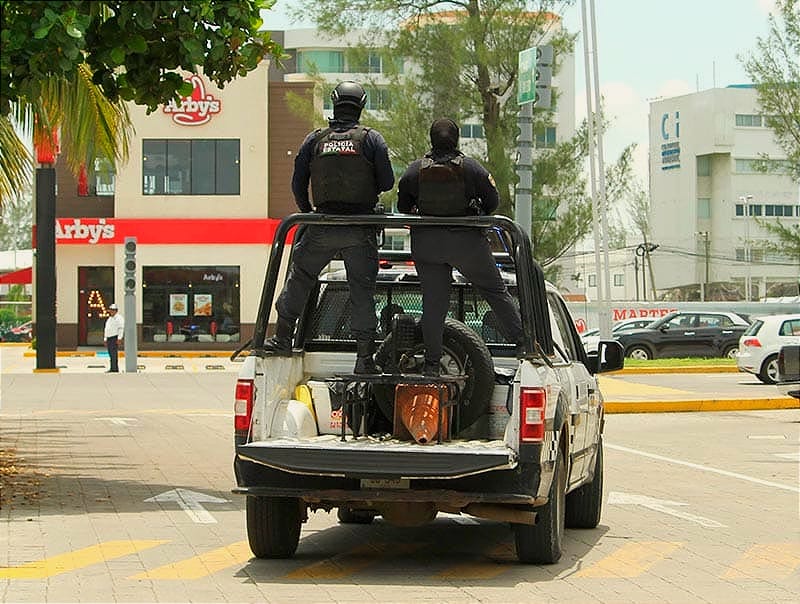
{"x":204,"y":188}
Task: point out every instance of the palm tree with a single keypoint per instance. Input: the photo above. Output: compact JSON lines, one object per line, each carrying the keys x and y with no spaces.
{"x":91,"y":126}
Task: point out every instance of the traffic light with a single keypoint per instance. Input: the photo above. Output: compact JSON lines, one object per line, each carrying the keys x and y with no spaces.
{"x":543,"y":76}
{"x":129,"y":281}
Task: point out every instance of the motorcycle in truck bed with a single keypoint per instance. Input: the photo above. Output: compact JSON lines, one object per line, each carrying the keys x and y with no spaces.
{"x":506,"y":433}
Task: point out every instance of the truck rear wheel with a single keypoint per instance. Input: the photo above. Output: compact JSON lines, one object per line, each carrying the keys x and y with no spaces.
{"x":585,"y":503}
{"x":273,"y":526}
{"x":542,"y":542}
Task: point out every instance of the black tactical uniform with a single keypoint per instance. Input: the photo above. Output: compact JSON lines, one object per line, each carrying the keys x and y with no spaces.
{"x":347,"y":166}
{"x":446,"y":183}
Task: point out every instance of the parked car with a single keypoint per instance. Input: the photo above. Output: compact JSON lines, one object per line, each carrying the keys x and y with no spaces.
{"x":592,"y":337}
{"x":20,"y":333}
{"x":789,"y":370}
{"x":686,"y":334}
{"x":760,"y":344}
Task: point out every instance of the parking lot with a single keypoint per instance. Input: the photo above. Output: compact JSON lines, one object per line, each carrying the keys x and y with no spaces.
{"x":121,"y":492}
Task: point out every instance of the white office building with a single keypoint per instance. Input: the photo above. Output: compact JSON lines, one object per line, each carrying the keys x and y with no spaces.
{"x":708,"y":195}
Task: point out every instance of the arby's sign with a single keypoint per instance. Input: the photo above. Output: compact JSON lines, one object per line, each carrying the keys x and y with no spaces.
{"x":195,"y":109}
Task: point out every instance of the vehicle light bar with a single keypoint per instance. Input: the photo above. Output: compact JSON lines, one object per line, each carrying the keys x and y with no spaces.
{"x":533,"y":402}
{"x":243,"y":405}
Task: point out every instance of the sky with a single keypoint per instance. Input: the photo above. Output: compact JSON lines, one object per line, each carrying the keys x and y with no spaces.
{"x":647,"y":50}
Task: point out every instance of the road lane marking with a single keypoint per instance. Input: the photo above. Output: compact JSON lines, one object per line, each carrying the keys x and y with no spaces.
{"x":664,"y":506}
{"x":499,"y":560}
{"x":630,"y":560}
{"x":69,"y":561}
{"x":190,"y":502}
{"x":203,"y":565}
{"x":348,"y":563}
{"x":766,"y":561}
{"x":697,"y":466}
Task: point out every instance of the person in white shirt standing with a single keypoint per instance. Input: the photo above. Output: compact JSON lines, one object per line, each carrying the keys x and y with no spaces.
{"x":112,"y":336}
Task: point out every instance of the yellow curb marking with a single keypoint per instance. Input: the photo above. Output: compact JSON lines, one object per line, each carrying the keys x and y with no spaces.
{"x":500,"y":560}
{"x":62,"y":563}
{"x":630,"y":560}
{"x":202,"y":565}
{"x":766,"y":561}
{"x":728,"y":404}
{"x":349,"y":563}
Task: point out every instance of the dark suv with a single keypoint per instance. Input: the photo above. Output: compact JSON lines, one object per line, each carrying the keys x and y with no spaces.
{"x":686,"y":334}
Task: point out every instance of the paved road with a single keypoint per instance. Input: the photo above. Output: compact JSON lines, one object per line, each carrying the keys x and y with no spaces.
{"x":699,"y":507}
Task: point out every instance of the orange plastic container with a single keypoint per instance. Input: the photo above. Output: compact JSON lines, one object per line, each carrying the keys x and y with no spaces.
{"x":416,"y":413}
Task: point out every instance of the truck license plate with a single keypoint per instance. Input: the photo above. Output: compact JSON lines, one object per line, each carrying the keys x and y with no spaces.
{"x":382,"y":483}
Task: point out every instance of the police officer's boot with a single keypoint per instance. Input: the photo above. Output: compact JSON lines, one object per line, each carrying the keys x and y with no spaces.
{"x":365,"y":351}
{"x":281,"y":342}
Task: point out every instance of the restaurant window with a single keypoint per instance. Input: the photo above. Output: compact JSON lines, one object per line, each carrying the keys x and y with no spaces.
{"x":190,"y":167}
{"x":190,"y":304}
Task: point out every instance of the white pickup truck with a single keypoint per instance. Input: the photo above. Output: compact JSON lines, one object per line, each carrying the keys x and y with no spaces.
{"x":500,"y":435}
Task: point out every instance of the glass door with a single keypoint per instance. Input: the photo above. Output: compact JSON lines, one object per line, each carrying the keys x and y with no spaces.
{"x":95,"y":293}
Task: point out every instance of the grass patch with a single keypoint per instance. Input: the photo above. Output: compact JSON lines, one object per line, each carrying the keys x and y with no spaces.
{"x":682,"y":362}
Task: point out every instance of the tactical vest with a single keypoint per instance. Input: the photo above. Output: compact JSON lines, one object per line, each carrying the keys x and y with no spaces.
{"x":442,"y":191}
{"x":340,"y":174}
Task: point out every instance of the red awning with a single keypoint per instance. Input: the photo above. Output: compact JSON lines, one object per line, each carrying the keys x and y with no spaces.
{"x":23,"y":275}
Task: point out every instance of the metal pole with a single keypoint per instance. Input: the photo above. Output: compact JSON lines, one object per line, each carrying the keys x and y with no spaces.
{"x":707,"y":248}
{"x":523,"y":203}
{"x":605,"y":317}
{"x":45,"y":294}
{"x":603,"y":323}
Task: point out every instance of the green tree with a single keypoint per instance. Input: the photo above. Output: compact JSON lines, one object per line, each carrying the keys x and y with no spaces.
{"x":774,"y":67}
{"x":463,"y":64}
{"x":16,"y":221}
{"x":72,"y":63}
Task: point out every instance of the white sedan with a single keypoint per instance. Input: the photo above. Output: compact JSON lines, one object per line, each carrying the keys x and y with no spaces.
{"x":760,"y":344}
{"x":592,"y":336}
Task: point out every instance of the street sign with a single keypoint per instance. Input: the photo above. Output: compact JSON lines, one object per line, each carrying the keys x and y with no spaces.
{"x":535,"y":72}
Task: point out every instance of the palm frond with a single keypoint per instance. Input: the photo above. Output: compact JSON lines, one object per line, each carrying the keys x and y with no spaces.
{"x":16,"y":163}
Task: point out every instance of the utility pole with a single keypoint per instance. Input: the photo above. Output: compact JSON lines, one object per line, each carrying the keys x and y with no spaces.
{"x":704,"y":285}
{"x":746,"y":199}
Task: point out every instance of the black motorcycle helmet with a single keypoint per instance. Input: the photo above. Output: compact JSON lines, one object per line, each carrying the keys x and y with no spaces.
{"x":349,"y":93}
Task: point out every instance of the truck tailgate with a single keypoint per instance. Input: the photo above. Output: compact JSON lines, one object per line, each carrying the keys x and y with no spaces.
{"x":366,"y":457}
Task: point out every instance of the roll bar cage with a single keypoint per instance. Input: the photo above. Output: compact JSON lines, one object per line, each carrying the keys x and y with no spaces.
{"x":530,"y":277}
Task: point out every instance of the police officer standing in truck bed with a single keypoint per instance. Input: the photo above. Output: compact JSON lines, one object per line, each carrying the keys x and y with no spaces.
{"x":446,"y":183}
{"x":347,"y":166}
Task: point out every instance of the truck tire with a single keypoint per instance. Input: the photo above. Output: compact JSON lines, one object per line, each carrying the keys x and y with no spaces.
{"x":350,"y":516}
{"x":542,"y":542}
{"x":585,"y":503}
{"x":273,"y":526}
{"x":769,"y":370}
{"x":463,"y":351}
{"x":640,"y":352}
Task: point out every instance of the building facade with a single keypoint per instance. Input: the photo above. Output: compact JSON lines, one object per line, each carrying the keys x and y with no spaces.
{"x":708,"y":195}
{"x":201,"y":194}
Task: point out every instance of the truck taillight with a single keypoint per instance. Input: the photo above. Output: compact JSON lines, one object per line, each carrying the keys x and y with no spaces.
{"x":532,"y":405}
{"x":243,"y":405}
{"x":753,"y":342}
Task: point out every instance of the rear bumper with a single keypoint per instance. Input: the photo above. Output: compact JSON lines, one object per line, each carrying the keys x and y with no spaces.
{"x":450,"y":478}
